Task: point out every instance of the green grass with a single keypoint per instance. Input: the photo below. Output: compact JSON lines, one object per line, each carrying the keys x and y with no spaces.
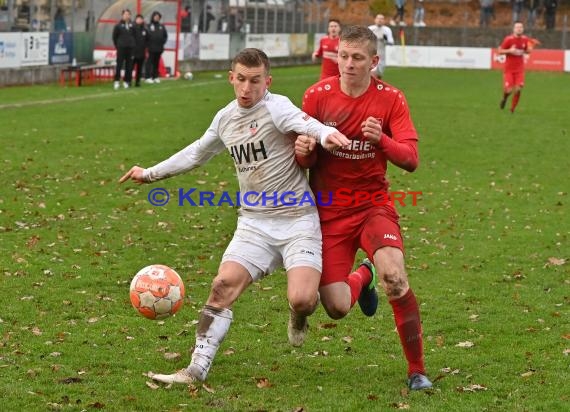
{"x":494,"y":210}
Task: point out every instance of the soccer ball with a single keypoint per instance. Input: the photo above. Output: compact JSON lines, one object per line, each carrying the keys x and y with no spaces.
{"x":157,"y":292}
{"x":188,"y":76}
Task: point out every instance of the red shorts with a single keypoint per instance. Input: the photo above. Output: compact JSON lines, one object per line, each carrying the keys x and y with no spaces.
{"x":369,"y":229}
{"x":512,"y":79}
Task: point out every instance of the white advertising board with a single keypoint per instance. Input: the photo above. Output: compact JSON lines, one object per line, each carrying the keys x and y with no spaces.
{"x":34,"y":49}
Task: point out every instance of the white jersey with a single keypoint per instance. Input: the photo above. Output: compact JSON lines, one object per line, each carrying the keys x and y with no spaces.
{"x":384,"y":36}
{"x":261,"y":142}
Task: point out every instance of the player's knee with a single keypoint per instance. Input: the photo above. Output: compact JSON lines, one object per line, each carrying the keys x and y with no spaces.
{"x":222,"y":292}
{"x":303,"y":302}
{"x":336,"y":310}
{"x":394,"y":281}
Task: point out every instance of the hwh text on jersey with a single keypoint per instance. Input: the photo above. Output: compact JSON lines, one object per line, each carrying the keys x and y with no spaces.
{"x":248,"y":152}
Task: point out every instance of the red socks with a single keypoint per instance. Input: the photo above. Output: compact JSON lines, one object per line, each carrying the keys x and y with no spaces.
{"x":357,"y":280}
{"x":407,"y":317}
{"x":515,"y":101}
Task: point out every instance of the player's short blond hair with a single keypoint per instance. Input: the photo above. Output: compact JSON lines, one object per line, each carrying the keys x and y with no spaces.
{"x":360,"y":35}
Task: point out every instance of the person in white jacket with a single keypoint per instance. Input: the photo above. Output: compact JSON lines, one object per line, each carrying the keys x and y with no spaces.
{"x":384,"y":37}
{"x":278,"y":224}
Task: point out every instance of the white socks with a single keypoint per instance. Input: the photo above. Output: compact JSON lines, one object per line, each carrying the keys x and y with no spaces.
{"x":213,"y":326}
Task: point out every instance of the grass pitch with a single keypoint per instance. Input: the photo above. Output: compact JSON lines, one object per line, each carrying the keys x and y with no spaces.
{"x":487,"y":253}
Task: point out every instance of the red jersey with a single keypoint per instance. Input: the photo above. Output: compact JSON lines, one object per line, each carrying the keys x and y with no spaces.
{"x":515,"y":63}
{"x":362,"y":167}
{"x":328,"y":50}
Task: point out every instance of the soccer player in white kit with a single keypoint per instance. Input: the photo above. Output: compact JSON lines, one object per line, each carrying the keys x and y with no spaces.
{"x":256,"y":129}
{"x":384,"y":35}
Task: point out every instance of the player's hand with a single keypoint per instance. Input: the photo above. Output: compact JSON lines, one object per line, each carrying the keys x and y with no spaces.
{"x":372,"y":130}
{"x":314,"y":57}
{"x":304,"y":145}
{"x":135,"y":174}
{"x":335,"y":140}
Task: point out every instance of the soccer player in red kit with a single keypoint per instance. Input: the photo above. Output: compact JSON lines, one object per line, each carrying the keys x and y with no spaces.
{"x":515,"y":47}
{"x":376,"y":117}
{"x":328,"y":49}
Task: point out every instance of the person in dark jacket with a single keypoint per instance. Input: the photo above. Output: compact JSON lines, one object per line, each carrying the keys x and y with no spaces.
{"x":157,"y":36}
{"x":141,"y":44}
{"x":124,"y":41}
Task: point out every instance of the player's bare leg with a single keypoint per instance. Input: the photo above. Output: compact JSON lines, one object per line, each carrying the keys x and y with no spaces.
{"x":360,"y":286}
{"x":213,"y":324}
{"x":336,"y":299}
{"x":389,"y":262}
{"x":302,"y":293}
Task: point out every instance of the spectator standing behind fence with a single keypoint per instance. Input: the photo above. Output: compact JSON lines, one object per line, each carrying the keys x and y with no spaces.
{"x":141,"y":44}
{"x":399,"y":16}
{"x":487,"y":12}
{"x":59,"y":24}
{"x":384,"y":35}
{"x":419,"y":13}
{"x":124,"y":41}
{"x":518,"y":6}
{"x":204,"y":20}
{"x":533,"y":6}
{"x":550,"y":13}
{"x":157,"y":36}
{"x":186,"y":20}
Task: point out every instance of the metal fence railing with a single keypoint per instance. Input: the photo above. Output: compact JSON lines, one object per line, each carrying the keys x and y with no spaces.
{"x":281,"y":16}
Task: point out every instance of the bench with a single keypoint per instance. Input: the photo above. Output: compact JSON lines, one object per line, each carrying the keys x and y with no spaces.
{"x":79,"y":75}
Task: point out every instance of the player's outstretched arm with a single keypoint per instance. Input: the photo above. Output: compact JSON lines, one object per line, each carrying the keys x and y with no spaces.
{"x":135,"y":174}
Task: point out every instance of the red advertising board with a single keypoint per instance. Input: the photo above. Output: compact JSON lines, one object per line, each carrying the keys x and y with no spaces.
{"x":546,"y":60}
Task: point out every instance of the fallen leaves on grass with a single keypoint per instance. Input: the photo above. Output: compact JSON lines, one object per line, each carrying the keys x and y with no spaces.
{"x":450,"y":371}
{"x":527,"y":374}
{"x":329,"y":325}
{"x":32,"y":241}
{"x":400,"y":405}
{"x":439,"y":341}
{"x":192,"y":391}
{"x":262,"y":383}
{"x":229,"y":351}
{"x":208,"y":389}
{"x":475,"y":387}
{"x":466,"y":344}
{"x":555,"y":261}
{"x":171,"y":355}
{"x":152,"y":385}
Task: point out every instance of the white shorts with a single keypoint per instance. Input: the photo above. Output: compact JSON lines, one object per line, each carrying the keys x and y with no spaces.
{"x":261,"y":245}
